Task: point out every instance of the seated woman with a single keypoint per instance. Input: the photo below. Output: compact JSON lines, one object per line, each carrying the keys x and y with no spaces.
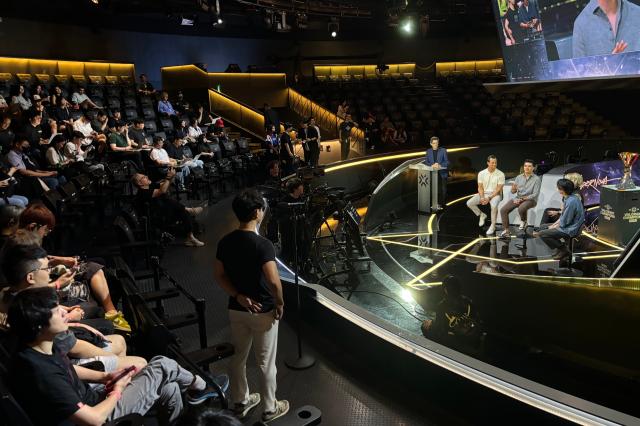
{"x":156,"y":196}
{"x":194,"y":131}
{"x":56,"y":160}
{"x":89,"y":278}
{"x":53,"y":392}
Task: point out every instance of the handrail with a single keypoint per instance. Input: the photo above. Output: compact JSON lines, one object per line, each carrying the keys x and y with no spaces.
{"x":327,"y":120}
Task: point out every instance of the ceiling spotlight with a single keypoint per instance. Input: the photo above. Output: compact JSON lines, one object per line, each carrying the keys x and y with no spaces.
{"x":407,"y":26}
{"x":95,"y":1}
{"x":333,"y":27}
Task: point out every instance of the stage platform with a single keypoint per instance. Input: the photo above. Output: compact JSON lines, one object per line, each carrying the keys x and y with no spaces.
{"x":540,"y":319}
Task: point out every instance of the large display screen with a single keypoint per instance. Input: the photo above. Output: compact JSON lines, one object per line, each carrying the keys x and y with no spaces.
{"x":563,"y":39}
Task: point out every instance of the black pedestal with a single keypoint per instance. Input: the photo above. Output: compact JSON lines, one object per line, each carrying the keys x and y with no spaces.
{"x":619,"y":214}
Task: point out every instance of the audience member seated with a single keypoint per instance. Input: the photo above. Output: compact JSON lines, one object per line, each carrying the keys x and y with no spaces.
{"x":19,"y":98}
{"x":400,"y":136}
{"x":558,"y":235}
{"x":9,"y":217}
{"x":180,"y":152}
{"x":100,"y":123}
{"x":28,"y":266}
{"x":63,"y":112}
{"x":55,"y":157}
{"x":137,"y":134}
{"x":156,"y":196}
{"x":83,"y":125}
{"x":82,"y":100}
{"x":120,"y":145}
{"x":181,"y":104}
{"x":3,"y":104}
{"x":6,"y":134}
{"x":161,"y":159}
{"x":194,"y":131}
{"x":53,"y":391}
{"x":116,"y":116}
{"x":90,"y":284}
{"x":387,"y":130}
{"x":145,"y":88}
{"x":164,"y":106}
{"x":8,"y":186}
{"x":55,"y":96}
{"x":32,"y":130}
{"x":27,"y":168}
{"x":77,"y":153}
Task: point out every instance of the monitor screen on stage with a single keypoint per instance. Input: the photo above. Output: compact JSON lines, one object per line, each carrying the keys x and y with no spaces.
{"x":546,"y":40}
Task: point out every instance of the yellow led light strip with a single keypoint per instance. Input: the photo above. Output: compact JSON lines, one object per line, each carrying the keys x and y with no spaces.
{"x":474,"y":256}
{"x":419,"y":286}
{"x":601,"y":256}
{"x":444,"y":261}
{"x":459,"y":199}
{"x":389,"y":157}
{"x":411,"y":234}
{"x":430,"y":224}
{"x":594,"y":238}
{"x":593,"y":208}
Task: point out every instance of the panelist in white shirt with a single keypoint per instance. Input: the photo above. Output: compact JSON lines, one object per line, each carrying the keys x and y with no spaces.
{"x":490,"y":183}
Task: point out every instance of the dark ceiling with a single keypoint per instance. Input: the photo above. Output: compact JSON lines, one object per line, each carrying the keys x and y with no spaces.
{"x":303,"y":19}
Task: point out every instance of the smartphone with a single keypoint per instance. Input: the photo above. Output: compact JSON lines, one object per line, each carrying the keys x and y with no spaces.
{"x":113,"y":381}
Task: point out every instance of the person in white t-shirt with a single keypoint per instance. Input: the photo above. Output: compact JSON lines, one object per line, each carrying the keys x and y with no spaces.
{"x":490,"y":183}
{"x":161,"y":158}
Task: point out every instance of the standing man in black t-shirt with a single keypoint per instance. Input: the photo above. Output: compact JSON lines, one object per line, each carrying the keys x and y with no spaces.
{"x":345,"y":136}
{"x":313,"y":138}
{"x":286,"y":150}
{"x":245,"y":268}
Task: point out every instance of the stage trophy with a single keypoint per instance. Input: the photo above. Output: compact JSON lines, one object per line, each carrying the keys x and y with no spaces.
{"x":628,"y":159}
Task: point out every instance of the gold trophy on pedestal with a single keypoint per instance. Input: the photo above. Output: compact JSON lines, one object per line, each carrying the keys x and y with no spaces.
{"x":628,"y":158}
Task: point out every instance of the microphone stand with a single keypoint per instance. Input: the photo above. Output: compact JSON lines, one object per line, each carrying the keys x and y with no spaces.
{"x":303,"y":361}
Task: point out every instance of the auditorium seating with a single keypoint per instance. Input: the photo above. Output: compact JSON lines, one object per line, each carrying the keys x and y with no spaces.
{"x":457,"y":107}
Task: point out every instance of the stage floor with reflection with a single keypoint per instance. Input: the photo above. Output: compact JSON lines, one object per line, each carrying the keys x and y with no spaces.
{"x":418,"y":250}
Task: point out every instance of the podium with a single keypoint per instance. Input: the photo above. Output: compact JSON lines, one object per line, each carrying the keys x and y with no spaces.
{"x":619,"y":218}
{"x":427,"y":187}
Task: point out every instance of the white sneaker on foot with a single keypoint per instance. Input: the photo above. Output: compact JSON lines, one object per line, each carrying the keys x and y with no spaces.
{"x":491,"y":230}
{"x":483,"y":218}
{"x":523,"y":226}
{"x":193,"y":242}
{"x":282,"y":408}
{"x":241,"y":410}
{"x":505,"y":234}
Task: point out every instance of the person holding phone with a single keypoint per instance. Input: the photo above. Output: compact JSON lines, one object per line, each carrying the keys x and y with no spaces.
{"x":53,"y":391}
{"x":7,"y":189}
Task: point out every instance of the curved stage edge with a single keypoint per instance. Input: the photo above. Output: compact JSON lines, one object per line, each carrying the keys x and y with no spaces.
{"x":365,"y":175}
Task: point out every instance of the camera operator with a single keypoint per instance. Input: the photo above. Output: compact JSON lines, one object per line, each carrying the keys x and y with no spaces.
{"x":291,"y":205}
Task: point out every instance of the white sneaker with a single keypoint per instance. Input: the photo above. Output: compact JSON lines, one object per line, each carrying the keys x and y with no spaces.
{"x":491,"y":230}
{"x":523,"y":226}
{"x":483,"y":218}
{"x":193,"y":242}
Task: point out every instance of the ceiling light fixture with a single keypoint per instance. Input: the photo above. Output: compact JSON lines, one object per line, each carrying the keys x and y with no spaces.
{"x":334,"y":27}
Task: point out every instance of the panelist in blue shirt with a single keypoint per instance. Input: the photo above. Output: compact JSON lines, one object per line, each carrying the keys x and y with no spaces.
{"x":437,"y":158}
{"x":558,"y":235}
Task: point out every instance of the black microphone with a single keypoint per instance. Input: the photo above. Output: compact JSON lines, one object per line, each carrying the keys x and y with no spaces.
{"x":284,"y":205}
